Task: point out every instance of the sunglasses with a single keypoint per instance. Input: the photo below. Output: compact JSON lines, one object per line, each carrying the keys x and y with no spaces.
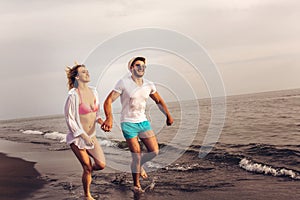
{"x":140,"y":66}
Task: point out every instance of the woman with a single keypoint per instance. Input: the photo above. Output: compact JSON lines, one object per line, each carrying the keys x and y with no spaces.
{"x":81,"y":114}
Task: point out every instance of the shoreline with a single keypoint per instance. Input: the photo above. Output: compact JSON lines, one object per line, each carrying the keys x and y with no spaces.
{"x":57,"y":175}
{"x":34,"y":167}
{"x":19,"y":179}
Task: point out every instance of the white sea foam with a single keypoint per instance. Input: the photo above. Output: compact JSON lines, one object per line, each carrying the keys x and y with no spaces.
{"x":186,"y":167}
{"x":32,"y":132}
{"x":107,"y":143}
{"x":153,"y":165}
{"x":61,"y":137}
{"x":265,"y":169}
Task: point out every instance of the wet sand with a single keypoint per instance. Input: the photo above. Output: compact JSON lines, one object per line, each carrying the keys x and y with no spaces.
{"x":44,"y":174}
{"x":18,"y":178}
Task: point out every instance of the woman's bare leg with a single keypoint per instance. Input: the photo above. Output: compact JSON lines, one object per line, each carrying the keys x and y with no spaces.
{"x":85,"y":161}
{"x":97,"y":154}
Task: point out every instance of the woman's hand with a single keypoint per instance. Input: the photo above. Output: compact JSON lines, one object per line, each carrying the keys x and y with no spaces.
{"x":88,"y":141}
{"x":100,"y":121}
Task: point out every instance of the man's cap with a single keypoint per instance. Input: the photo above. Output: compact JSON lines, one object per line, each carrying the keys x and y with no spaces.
{"x":132,"y":60}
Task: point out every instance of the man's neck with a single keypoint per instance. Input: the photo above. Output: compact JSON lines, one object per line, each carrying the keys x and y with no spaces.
{"x":138,"y":81}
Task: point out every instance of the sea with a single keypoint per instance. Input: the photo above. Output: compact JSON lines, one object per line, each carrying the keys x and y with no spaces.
{"x":256,"y":153}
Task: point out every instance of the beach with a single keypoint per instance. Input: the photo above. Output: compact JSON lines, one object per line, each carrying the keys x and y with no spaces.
{"x":57,"y":176}
{"x":18,"y":178}
{"x":256,"y":157}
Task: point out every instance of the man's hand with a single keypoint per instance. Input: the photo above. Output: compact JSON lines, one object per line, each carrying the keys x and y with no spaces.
{"x":169,"y":121}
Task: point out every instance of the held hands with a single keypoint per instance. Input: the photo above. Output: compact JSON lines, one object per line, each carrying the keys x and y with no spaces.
{"x":107,"y":125}
{"x":100,"y":121}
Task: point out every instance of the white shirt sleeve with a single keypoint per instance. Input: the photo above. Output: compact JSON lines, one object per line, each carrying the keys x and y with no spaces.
{"x":153,"y":88}
{"x":72,"y":116}
{"x":119,"y":86}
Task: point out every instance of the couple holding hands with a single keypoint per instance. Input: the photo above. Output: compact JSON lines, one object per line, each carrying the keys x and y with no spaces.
{"x":82,"y":114}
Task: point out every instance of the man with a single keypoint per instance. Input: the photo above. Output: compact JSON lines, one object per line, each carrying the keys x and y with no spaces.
{"x":134,"y":91}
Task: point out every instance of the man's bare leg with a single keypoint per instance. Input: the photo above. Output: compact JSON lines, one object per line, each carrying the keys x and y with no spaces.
{"x":135,"y":149}
{"x":150,"y":141}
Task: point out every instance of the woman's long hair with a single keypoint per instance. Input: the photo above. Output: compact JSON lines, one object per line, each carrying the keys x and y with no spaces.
{"x":71,"y":74}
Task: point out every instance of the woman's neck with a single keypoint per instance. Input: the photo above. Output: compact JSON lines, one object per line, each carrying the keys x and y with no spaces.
{"x":83,"y":86}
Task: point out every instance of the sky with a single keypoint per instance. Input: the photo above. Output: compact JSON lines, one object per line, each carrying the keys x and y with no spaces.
{"x":255,"y":44}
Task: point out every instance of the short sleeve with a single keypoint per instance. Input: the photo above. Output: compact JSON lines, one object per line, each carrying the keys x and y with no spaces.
{"x":153,"y":88}
{"x":119,"y":87}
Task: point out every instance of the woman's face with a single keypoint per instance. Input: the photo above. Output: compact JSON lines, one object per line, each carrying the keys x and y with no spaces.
{"x":83,"y":75}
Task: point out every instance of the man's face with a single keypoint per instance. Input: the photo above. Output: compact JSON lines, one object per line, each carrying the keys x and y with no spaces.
{"x":138,"y":69}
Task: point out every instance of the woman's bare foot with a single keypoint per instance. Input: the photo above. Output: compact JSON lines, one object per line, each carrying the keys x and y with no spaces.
{"x":89,"y":198}
{"x":143,"y":173}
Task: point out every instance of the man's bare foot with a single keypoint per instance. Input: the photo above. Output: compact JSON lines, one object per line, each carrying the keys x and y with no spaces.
{"x":143,"y":173}
{"x":137,"y":189}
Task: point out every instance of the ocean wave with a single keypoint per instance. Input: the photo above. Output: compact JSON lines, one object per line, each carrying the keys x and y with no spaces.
{"x":61,"y":137}
{"x":271,"y":150}
{"x":32,"y":132}
{"x":108,"y":143}
{"x":251,"y":166}
{"x":51,"y":135}
{"x":186,"y":167}
{"x":153,"y":165}
{"x":178,"y":167}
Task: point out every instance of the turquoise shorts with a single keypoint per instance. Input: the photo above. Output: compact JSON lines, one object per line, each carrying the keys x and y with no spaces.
{"x":131,"y":130}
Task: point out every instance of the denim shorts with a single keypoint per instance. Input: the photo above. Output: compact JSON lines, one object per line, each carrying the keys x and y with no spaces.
{"x":131,"y":130}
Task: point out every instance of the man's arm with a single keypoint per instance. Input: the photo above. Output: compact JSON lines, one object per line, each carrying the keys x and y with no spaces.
{"x":163,"y":107}
{"x":107,"y":124}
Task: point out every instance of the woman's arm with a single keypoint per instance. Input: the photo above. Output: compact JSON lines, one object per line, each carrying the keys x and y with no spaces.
{"x":73,"y":121}
{"x":98,"y":116}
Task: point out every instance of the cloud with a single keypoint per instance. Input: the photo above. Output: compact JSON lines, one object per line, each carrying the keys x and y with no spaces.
{"x":39,"y":38}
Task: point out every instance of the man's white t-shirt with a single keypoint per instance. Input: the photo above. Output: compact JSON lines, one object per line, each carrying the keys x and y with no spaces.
{"x":133,"y":98}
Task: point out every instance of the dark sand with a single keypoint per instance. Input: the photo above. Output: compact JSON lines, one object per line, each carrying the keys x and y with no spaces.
{"x":18,"y":178}
{"x":57,"y":175}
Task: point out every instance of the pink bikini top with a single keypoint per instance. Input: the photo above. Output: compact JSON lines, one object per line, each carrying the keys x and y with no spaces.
{"x":85,"y":108}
